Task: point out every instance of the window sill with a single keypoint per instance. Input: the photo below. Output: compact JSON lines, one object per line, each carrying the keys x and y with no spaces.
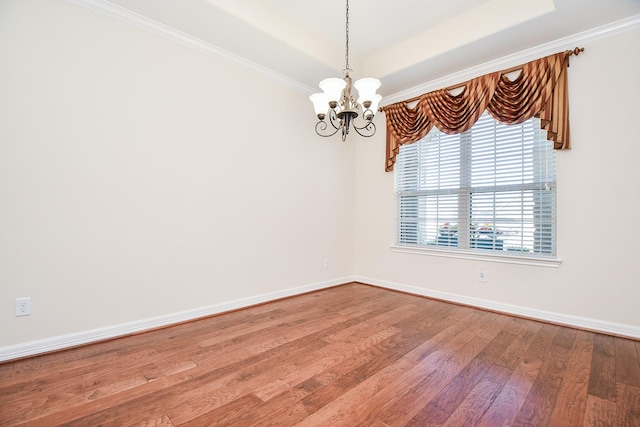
{"x":478,"y":255}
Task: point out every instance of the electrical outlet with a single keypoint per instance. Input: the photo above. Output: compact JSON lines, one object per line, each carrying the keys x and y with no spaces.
{"x":23,"y":307}
{"x":482,"y":275}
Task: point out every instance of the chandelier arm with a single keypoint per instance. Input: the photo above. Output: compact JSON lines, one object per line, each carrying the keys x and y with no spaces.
{"x":368,"y":129}
{"x":335,"y":121}
{"x":367,"y":114}
{"x":322,"y":128}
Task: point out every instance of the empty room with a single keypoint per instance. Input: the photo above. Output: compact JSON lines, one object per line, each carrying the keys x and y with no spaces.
{"x":339,"y":213}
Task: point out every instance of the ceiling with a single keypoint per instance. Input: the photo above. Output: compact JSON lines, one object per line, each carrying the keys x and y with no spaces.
{"x":403,"y":42}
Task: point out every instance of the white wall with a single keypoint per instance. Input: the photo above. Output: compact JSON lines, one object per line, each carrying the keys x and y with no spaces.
{"x":132,"y":186}
{"x":599,"y":278}
{"x":137,"y":180}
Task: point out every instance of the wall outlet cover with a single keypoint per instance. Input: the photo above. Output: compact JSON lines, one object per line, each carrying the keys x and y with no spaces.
{"x":23,"y":307}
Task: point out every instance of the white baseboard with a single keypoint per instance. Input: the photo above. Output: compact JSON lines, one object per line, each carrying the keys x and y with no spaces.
{"x":61,"y":342}
{"x":595,"y":325}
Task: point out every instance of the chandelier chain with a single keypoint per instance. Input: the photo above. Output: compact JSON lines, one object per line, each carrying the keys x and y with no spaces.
{"x":346,"y":55}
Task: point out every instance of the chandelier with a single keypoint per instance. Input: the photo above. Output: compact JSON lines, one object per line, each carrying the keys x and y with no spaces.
{"x":337,"y":104}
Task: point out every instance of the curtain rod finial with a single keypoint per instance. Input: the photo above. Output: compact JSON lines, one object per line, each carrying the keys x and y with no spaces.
{"x":577,"y":51}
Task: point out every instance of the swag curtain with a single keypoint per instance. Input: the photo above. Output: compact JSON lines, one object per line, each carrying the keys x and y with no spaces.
{"x":539,"y":90}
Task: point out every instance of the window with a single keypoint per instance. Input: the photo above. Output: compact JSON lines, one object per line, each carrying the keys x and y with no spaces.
{"x":491,"y":189}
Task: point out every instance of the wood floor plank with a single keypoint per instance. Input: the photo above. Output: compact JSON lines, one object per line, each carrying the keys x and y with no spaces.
{"x":512,"y":357}
{"x":479,"y":399}
{"x":65,"y":413}
{"x":29,"y":372}
{"x":292,"y":369}
{"x":352,"y":355}
{"x":383,"y":389}
{"x":327,"y":358}
{"x":602,"y":381}
{"x":185,"y":401}
{"x":442,"y":406}
{"x":284,"y":409}
{"x":437,"y":372}
{"x":628,"y":407}
{"x":227,"y":414}
{"x":571,"y":403}
{"x":541,"y":400}
{"x":382,"y":356}
{"x":162,"y":421}
{"x":79,"y":389}
{"x":600,"y":412}
{"x":627,"y":361}
{"x":509,"y":402}
{"x":346,"y":410}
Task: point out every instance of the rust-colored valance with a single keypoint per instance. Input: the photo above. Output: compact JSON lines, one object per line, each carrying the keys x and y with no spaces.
{"x":539,"y":90}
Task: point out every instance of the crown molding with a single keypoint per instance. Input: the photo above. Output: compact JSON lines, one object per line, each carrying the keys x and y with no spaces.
{"x":140,"y":21}
{"x":130,"y":17}
{"x":519,"y":58}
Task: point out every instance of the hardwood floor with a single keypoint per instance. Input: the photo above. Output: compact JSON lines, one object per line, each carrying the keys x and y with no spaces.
{"x":353,"y":355}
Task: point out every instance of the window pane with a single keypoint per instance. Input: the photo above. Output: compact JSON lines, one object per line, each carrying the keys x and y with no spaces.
{"x":420,"y":216}
{"x":518,"y":220}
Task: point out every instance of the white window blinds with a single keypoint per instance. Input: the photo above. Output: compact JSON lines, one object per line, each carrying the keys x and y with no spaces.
{"x":490,"y":188}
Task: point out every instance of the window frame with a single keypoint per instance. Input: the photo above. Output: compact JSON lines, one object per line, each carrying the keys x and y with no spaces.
{"x":464,"y":192}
